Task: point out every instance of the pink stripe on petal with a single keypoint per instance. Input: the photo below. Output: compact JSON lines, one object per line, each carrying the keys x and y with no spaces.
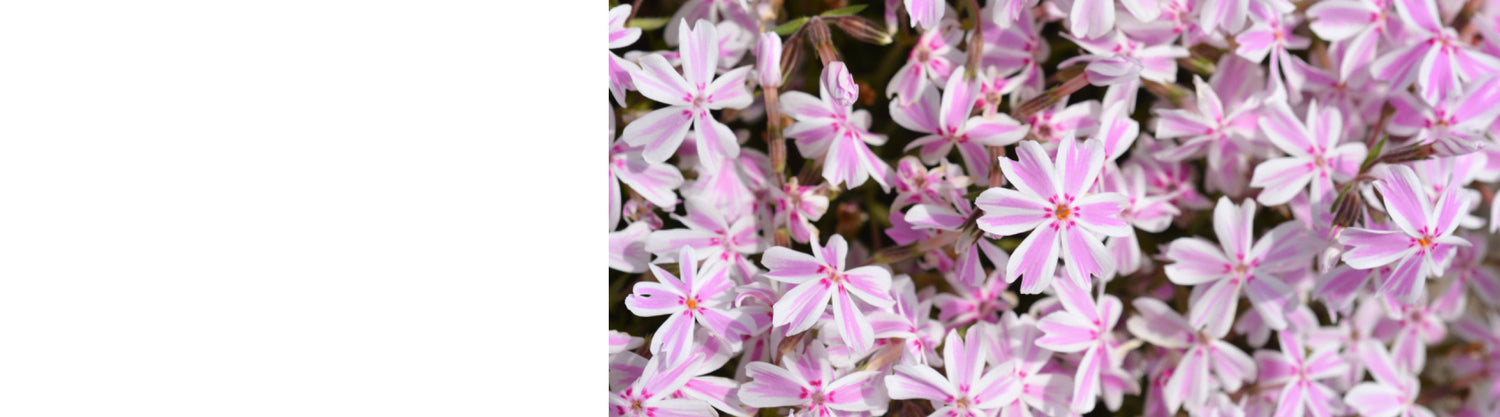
{"x":1008,"y":212}
{"x":1405,"y":200}
{"x":700,"y":52}
{"x":1197,"y":261}
{"x":1214,"y":312}
{"x":660,"y":131}
{"x":1035,"y":260}
{"x":1420,"y":14}
{"x":917,"y":382}
{"x":872,"y":284}
{"x":1189,"y":382}
{"x":1084,"y":256}
{"x":854,"y":328}
{"x":1087,"y":380}
{"x":1100,"y":213}
{"x":1371,"y":399}
{"x":1032,"y":172}
{"x":1066,"y":332}
{"x":801,"y":307}
{"x":770,"y":386}
{"x":958,"y":101}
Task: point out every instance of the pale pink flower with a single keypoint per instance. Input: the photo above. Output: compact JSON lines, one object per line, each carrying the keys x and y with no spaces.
{"x":1119,"y":59}
{"x":1083,"y":326}
{"x":1422,"y":246}
{"x":948,"y":125}
{"x":1455,"y":125}
{"x":1208,"y":130}
{"x":1299,"y":374}
{"x":820,"y":278}
{"x":651,"y":393}
{"x":1394,"y":393}
{"x":1013,"y":348}
{"x":1053,"y":125}
{"x":702,"y":296}
{"x":809,"y":383}
{"x":1316,"y":158}
{"x":627,"y":248}
{"x":1434,"y":57}
{"x":1056,"y":203}
{"x":1357,"y":26}
{"x":1229,"y":15}
{"x":1238,"y":262}
{"x":933,"y":58}
{"x":1270,"y":33}
{"x":689,"y":100}
{"x":1158,"y":324}
{"x":838,"y":134}
{"x":910,"y":324}
{"x":797,"y":206}
{"x":968,"y":390}
{"x":713,"y":236}
{"x":976,"y":295}
{"x":1146,"y":212}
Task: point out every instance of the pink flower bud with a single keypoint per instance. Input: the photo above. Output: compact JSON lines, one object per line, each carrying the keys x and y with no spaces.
{"x":768,"y":60}
{"x":840,"y":83}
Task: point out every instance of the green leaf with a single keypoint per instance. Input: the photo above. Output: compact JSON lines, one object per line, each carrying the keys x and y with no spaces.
{"x":844,"y":11}
{"x":791,"y":26}
{"x":648,"y":23}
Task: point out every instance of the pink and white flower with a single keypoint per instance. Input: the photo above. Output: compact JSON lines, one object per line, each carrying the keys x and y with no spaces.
{"x":823,"y":277}
{"x":1056,"y":203}
{"x":689,"y":95}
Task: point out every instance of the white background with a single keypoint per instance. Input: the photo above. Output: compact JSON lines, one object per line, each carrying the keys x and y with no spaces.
{"x":301,"y":208}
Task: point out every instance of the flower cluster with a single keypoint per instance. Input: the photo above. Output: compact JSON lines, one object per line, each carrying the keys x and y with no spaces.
{"x":1054,"y":207}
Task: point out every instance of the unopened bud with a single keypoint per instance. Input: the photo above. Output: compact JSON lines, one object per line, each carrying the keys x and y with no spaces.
{"x":863,"y":29}
{"x":817,"y":33}
{"x":792,"y":55}
{"x":768,"y":59}
{"x":1347,"y":210}
{"x":1408,"y":154}
{"x":840,"y":84}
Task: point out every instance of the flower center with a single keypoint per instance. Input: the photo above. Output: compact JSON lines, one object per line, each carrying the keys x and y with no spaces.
{"x":692,"y":304}
{"x":1425,"y":242}
{"x":1241,"y":269}
{"x":1063,"y":212}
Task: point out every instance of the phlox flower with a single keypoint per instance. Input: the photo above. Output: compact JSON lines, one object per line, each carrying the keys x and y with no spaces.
{"x":809,"y":383}
{"x":1270,"y":33}
{"x":1394,"y":393}
{"x":1146,"y":212}
{"x":797,"y":206}
{"x":1424,"y":243}
{"x":1189,"y":384}
{"x":820,"y":278}
{"x":1455,"y":125}
{"x":976,"y":295}
{"x":1208,"y":130}
{"x":1013,"y":348}
{"x":690,"y":95}
{"x":1083,"y":326}
{"x":933,"y":58}
{"x":824,"y":128}
{"x":700,"y":298}
{"x":1056,"y":203}
{"x":910,"y":323}
{"x":1299,"y":375}
{"x":1434,"y":57}
{"x":1315,"y":156}
{"x":651,"y":393}
{"x":713,"y":236}
{"x":1358,"y":25}
{"x":947,"y":124}
{"x":968,"y":390}
{"x":1238,"y":262}
{"x":1053,"y":125}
